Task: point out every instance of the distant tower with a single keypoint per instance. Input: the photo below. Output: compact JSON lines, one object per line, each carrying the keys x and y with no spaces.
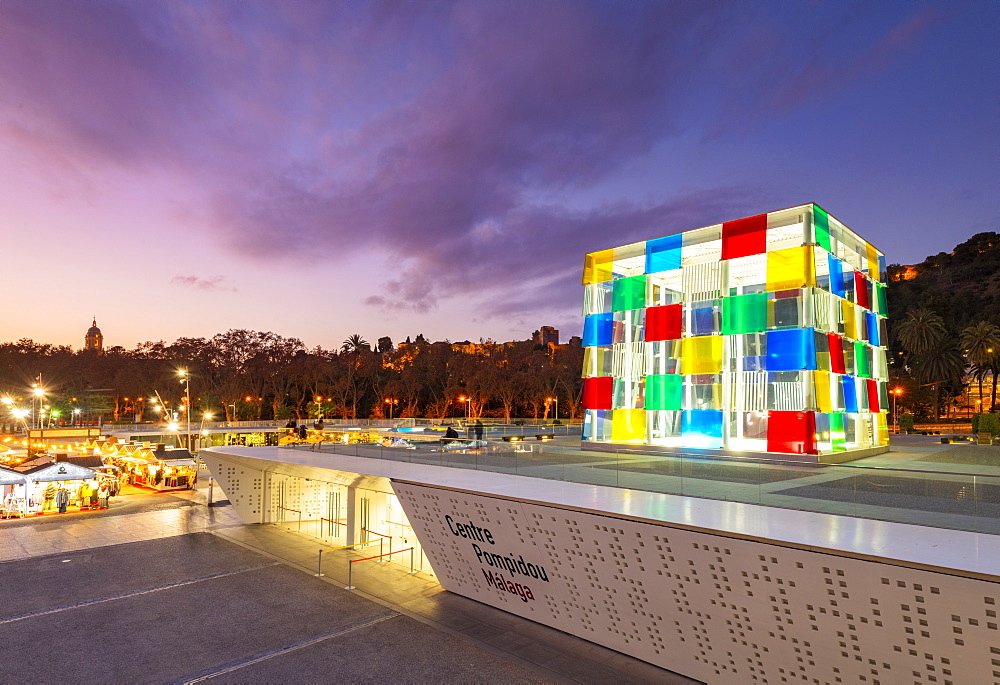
{"x":94,"y":339}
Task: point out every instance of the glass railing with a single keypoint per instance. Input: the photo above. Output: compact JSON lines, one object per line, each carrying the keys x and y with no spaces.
{"x":956,"y":496}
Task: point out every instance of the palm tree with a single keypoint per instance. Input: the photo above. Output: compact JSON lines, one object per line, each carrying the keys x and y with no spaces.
{"x":941,"y":363}
{"x":979,"y":340}
{"x":921,"y":330}
{"x":354,"y":343}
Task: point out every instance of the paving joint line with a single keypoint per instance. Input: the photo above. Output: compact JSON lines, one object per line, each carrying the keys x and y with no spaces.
{"x":281,"y":651}
{"x":136,"y":593}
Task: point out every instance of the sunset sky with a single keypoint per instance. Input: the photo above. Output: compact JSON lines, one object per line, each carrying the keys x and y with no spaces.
{"x":319,"y":169}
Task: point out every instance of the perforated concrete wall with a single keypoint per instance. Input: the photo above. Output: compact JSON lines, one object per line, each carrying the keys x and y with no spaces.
{"x":242,"y":484}
{"x":718,"y":609}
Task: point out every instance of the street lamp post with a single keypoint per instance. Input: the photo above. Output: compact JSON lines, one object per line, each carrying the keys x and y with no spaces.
{"x":554,"y":401}
{"x":895,"y":396}
{"x":37,"y":395}
{"x":186,"y":380}
{"x":390,"y":401}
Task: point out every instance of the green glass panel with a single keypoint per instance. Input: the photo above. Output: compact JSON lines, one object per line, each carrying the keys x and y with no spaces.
{"x":744,"y":314}
{"x":664,"y":392}
{"x":861,"y":359}
{"x":837,"y":435}
{"x":883,"y":306}
{"x":821,"y":224}
{"x":629,"y":293}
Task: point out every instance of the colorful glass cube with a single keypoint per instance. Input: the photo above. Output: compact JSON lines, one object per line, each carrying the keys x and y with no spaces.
{"x":761,"y":334}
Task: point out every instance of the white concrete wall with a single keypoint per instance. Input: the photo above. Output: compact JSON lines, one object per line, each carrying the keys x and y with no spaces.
{"x":715,"y":608}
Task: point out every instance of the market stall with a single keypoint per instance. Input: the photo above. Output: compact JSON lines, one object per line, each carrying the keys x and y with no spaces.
{"x":59,"y":486}
{"x":159,"y":470}
{"x":12,"y":499}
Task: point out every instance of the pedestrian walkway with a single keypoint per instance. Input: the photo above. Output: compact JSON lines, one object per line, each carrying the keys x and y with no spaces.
{"x":506,"y":646}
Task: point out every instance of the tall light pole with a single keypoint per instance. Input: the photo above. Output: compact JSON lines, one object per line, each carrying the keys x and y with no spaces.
{"x":555,"y":401}
{"x":186,"y":380}
{"x":37,"y":395}
{"x":390,"y":401}
{"x":895,"y":396}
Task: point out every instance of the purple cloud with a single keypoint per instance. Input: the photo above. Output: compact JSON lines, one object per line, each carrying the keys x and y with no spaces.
{"x":213,"y":283}
{"x":448,"y":137}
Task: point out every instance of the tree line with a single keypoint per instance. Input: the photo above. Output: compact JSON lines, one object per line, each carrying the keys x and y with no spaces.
{"x":244,"y":375}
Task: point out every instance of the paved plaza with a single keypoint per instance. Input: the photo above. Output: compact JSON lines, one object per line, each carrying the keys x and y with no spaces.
{"x":162,"y":588}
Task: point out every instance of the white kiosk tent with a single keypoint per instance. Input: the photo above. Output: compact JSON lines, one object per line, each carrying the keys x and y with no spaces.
{"x":60,"y":470}
{"x":33,"y":499}
{"x":10,"y":503}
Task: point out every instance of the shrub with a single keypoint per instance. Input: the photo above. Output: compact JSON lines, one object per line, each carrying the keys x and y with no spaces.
{"x":975,"y":422}
{"x":557,"y":422}
{"x":989,"y":423}
{"x":519,"y":422}
{"x":906,"y":422}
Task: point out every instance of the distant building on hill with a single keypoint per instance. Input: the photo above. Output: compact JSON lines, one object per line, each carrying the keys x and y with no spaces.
{"x":94,"y":340}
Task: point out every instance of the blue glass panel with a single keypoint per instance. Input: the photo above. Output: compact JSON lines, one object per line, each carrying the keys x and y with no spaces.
{"x":702,"y":321}
{"x":702,"y":428}
{"x":791,"y":350}
{"x":663,"y":254}
{"x":836,"y":275}
{"x":754,"y":363}
{"x":881,"y":266}
{"x":599,"y":329}
{"x":850,"y":395}
{"x":873,"y":334}
{"x":597,"y":425}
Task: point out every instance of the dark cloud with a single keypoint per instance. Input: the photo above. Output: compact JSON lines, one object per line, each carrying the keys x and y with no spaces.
{"x":446,"y":136}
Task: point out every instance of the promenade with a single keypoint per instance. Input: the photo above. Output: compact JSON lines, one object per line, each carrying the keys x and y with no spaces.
{"x":162,"y":588}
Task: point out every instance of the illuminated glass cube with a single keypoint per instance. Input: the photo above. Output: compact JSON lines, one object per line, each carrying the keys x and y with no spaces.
{"x":764,"y":334}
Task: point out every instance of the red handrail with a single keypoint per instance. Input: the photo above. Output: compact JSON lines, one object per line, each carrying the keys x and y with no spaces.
{"x":378,"y":556}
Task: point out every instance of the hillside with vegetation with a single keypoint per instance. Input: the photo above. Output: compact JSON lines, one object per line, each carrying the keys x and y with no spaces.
{"x":945,"y":326}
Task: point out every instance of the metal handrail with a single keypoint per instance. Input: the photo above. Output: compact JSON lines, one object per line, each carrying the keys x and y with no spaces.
{"x":319,"y":565}
{"x":350,"y":568}
{"x":297,"y":512}
{"x":381,"y":535}
{"x":321,"y":518}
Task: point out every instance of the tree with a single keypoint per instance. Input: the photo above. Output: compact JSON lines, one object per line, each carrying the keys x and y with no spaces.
{"x":941,"y":363}
{"x":355,"y":344}
{"x":920,"y":330}
{"x":981,"y":341}
{"x":385,"y":344}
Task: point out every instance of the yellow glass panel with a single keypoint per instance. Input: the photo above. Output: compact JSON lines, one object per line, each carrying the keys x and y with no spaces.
{"x":873,"y":272}
{"x":791,"y":268}
{"x":821,"y":383}
{"x":701,"y":354}
{"x":628,"y":425}
{"x":883,"y":429}
{"x":850,"y":321}
{"x":596,"y":361}
{"x":597,"y":267}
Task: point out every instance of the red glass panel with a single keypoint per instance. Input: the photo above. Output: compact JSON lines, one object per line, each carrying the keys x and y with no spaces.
{"x":836,"y":353}
{"x":744,"y":237}
{"x":791,"y":432}
{"x":873,"y":404}
{"x":664,"y":323}
{"x":861,"y":288}
{"x":597,"y":392}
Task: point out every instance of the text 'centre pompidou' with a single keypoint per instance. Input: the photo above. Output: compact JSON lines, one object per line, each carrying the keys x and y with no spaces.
{"x":765,"y":334}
